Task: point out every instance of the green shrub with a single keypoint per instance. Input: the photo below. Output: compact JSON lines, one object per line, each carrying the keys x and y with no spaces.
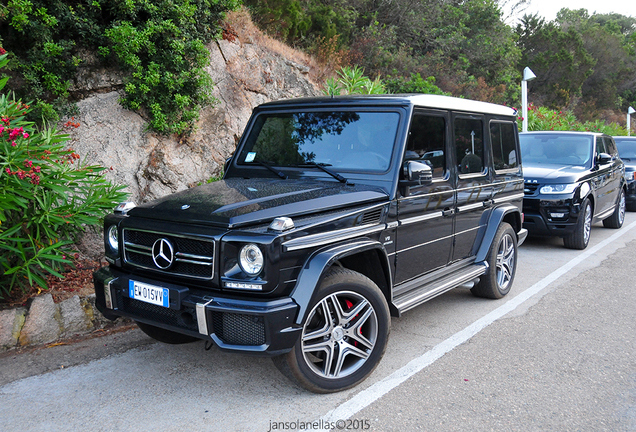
{"x":352,"y":81}
{"x":47,"y":197}
{"x":159,"y":43}
{"x":545,"y":119}
{"x":415,"y":84}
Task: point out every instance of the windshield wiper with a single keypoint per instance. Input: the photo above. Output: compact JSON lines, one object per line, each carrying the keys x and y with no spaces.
{"x":272,"y":169}
{"x":323,"y":166}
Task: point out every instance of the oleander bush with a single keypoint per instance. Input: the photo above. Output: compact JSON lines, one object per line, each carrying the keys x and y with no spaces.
{"x":545,"y":119}
{"x":48,"y":196}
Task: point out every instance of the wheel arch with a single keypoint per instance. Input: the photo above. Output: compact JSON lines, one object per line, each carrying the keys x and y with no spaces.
{"x":505,"y":213}
{"x":365,"y":256}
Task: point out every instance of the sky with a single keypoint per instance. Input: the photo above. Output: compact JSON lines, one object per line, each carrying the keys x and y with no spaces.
{"x":549,"y":8}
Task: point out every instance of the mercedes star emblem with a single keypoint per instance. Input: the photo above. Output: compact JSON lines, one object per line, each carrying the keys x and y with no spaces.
{"x":163,"y":253}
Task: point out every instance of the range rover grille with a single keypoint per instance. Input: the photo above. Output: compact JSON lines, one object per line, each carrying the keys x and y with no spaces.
{"x":530,"y":189}
{"x":193,"y":257}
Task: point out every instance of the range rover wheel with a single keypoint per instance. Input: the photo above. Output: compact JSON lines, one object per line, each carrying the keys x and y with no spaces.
{"x":618,"y":217}
{"x":165,"y":336}
{"x":502,"y":259}
{"x":344,"y":336}
{"x":581,"y":235}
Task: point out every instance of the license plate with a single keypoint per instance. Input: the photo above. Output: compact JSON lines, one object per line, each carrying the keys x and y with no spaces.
{"x":149,"y":293}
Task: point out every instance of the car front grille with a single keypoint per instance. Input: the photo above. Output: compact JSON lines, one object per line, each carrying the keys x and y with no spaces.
{"x":530,"y":189}
{"x":193,"y":257}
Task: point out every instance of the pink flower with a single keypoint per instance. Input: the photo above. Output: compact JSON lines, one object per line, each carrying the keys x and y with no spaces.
{"x":37,"y":169}
{"x":28,"y":163}
{"x":26,"y":135}
{"x":12,"y":143}
{"x":8,"y":171}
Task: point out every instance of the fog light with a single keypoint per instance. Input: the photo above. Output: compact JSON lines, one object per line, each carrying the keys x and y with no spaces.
{"x":557,"y":215}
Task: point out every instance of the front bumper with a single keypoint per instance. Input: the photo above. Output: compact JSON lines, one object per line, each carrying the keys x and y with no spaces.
{"x":249,"y":326}
{"x":550,"y":217}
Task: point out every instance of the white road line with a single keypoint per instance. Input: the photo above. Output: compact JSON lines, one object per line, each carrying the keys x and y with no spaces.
{"x":382,"y":387}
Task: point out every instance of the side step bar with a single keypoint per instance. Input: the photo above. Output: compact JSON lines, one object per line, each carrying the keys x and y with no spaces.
{"x":418,"y":295}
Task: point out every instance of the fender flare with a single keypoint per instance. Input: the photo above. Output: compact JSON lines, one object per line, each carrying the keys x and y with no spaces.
{"x":311,"y":274}
{"x":496,"y":217}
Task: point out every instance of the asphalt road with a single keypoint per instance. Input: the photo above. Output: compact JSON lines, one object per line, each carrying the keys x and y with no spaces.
{"x":557,"y":353}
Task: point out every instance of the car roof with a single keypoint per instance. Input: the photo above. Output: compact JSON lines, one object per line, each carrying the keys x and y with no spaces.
{"x":416,"y":100}
{"x":623,"y":137}
{"x":562,"y":133}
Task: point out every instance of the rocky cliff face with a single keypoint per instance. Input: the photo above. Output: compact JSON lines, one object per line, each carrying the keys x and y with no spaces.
{"x":150,"y":165}
{"x":245,"y":74}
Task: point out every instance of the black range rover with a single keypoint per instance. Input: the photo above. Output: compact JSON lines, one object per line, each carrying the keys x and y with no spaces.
{"x":572,"y":179}
{"x":333,"y":215}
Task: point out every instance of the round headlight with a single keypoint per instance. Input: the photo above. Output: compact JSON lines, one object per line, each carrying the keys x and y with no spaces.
{"x":113,"y":240}
{"x":251,"y":259}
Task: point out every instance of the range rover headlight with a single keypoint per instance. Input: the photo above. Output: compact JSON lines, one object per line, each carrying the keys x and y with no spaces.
{"x":558,"y":189}
{"x":113,"y":238}
{"x":251,"y":259}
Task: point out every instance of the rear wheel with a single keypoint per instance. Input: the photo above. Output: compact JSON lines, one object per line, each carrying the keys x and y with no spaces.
{"x":344,"y":336}
{"x":580,"y":238}
{"x":165,"y":336}
{"x":618,"y":217}
{"x":502,"y":261}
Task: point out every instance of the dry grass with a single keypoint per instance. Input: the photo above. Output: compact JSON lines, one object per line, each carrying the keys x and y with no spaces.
{"x":239,"y":24}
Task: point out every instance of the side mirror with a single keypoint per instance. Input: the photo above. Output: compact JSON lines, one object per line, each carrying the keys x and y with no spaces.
{"x":603,"y":158}
{"x":417,"y":173}
{"x":227,"y":163}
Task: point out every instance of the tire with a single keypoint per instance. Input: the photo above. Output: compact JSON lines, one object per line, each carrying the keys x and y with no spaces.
{"x":339,"y":352}
{"x":502,"y":261}
{"x":618,"y":217}
{"x":165,"y":336}
{"x":580,"y":238}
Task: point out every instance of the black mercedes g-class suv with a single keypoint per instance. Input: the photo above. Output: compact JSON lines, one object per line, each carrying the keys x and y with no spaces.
{"x":333,"y":215}
{"x":572,"y":179}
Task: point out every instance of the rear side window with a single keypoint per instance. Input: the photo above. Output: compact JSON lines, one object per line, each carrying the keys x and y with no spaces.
{"x":469,"y":145}
{"x":504,"y":149}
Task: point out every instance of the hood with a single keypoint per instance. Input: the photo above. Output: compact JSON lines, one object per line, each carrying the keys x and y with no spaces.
{"x":235,"y":202}
{"x":553,"y":174}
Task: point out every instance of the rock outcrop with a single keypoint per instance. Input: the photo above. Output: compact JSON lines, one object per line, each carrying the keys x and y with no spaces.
{"x":245,"y":74}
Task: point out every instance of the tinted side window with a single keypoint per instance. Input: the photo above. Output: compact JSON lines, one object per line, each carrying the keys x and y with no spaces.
{"x":426,"y":142}
{"x":600,"y":146}
{"x":469,"y":145}
{"x":502,"y":136}
{"x":610,"y":147}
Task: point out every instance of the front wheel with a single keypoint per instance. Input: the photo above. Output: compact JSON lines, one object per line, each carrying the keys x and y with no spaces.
{"x":580,"y":238}
{"x":618,"y":217}
{"x":502,"y":261}
{"x":344,"y":336}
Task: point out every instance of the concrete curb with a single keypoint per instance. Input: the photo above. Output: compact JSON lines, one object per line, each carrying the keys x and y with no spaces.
{"x":43,"y":321}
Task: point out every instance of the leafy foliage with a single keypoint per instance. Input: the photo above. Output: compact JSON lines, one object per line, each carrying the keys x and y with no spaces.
{"x":48,"y":197}
{"x":545,"y":119}
{"x":352,"y":81}
{"x":160,"y":43}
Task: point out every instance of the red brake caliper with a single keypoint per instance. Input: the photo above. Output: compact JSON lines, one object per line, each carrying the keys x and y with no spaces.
{"x":349,"y":306}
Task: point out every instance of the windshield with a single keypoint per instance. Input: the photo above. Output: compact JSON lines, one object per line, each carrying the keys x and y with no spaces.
{"x":345,"y":140}
{"x":626,"y":148}
{"x":556,"y":149}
